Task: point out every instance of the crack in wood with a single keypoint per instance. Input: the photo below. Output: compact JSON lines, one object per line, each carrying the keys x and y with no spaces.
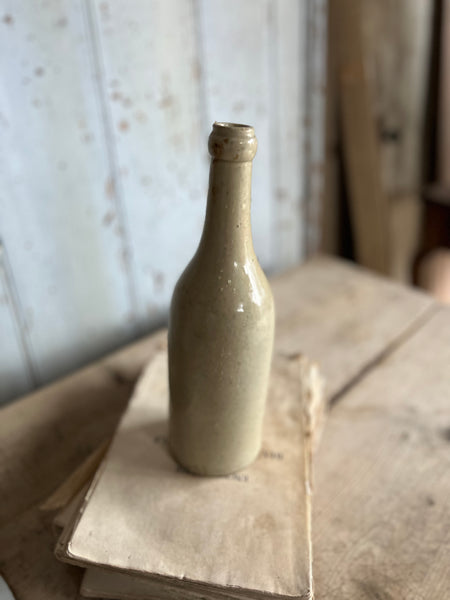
{"x":405,"y":335}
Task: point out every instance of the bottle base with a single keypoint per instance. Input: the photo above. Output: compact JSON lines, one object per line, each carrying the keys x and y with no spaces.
{"x":207,"y":471}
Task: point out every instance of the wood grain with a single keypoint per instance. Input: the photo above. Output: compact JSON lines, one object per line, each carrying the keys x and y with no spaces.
{"x":331,"y":311}
{"x":71,"y":486}
{"x":331,"y":205}
{"x":367,"y":200}
{"x":444,"y":100}
{"x":405,"y":218}
{"x":396,"y":38}
{"x":382,"y":487}
{"x":342,"y":316}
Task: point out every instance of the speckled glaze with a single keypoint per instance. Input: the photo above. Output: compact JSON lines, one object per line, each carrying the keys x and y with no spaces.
{"x":221,"y":324}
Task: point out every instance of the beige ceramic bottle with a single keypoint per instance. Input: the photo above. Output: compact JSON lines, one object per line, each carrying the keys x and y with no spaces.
{"x":221,"y":324}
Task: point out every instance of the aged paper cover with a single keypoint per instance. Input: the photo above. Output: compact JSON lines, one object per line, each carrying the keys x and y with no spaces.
{"x":148,"y":529}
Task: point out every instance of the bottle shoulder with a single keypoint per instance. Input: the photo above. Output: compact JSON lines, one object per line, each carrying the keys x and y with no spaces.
{"x":233,"y":286}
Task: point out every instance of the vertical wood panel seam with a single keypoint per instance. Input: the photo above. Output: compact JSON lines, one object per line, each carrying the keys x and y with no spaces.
{"x":305,"y":143}
{"x":322,"y":10}
{"x":18,"y":318}
{"x":274,"y":126}
{"x":316,"y":26}
{"x":112,"y":158}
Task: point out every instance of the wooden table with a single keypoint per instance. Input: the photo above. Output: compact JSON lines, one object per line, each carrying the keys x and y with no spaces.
{"x":382,"y":482}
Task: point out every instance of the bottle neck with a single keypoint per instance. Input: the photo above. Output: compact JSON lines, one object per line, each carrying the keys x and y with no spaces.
{"x":227,"y":229}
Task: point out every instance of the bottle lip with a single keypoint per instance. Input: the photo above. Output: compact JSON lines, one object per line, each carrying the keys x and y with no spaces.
{"x":234,"y":142}
{"x":234,"y":129}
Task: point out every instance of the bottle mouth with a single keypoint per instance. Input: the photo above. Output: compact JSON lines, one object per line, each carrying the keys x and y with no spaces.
{"x":234,"y":128}
{"x":234,"y":142}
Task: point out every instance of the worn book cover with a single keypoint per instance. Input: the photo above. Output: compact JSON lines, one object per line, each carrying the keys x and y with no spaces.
{"x":148,"y":529}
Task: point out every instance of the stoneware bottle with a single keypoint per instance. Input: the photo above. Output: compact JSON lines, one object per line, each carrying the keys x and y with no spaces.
{"x":221,"y":324}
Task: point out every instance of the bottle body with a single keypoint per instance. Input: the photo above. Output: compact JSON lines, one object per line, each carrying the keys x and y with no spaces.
{"x":221,"y":325}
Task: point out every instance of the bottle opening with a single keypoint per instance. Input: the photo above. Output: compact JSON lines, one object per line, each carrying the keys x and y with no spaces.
{"x":233,"y":129}
{"x":233,"y":142}
{"x":232,"y":125}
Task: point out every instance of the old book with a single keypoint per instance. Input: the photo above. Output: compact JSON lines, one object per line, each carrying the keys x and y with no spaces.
{"x":147,"y":529}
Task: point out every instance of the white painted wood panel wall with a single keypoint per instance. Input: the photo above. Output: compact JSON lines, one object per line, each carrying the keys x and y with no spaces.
{"x":105,"y":109}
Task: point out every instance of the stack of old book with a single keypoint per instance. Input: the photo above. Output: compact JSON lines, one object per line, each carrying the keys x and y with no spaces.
{"x":144,"y":528}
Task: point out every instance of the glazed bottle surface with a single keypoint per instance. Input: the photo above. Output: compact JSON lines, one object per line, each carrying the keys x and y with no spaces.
{"x":221,"y":324}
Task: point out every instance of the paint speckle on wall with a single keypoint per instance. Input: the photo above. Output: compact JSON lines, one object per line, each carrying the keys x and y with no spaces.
{"x":166,"y":101}
{"x":140,"y":116}
{"x":108,"y":218}
{"x":110,"y":187}
{"x":61,"y":23}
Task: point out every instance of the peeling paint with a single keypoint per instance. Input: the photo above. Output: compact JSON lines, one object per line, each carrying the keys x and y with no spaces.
{"x":281,"y":194}
{"x":238,"y":106}
{"x":61,"y":23}
{"x":108,"y":218}
{"x":176,"y":139}
{"x":196,"y":70}
{"x":141,"y":116}
{"x":166,"y":101}
{"x":110,"y":189}
{"x":158,"y":280}
{"x":125,"y":256}
{"x":104,"y":10}
{"x":119,"y":231}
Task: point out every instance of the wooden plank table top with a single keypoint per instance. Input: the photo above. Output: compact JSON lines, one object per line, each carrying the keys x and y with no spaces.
{"x":381,"y":518}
